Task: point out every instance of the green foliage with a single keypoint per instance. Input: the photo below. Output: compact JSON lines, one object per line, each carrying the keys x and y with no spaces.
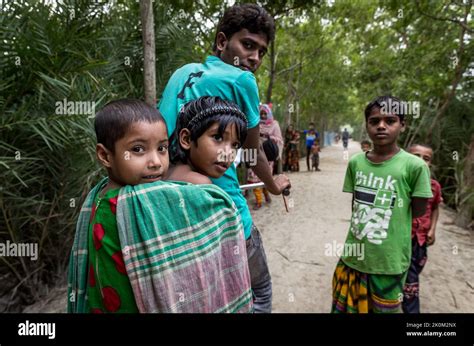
{"x":53,"y":53}
{"x":330,"y":60}
{"x":333,"y":59}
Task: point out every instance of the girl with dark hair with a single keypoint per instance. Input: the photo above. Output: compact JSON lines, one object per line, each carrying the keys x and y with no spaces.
{"x":209,"y":131}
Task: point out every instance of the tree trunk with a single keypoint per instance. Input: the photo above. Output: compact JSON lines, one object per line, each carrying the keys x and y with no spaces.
{"x":272,"y":72}
{"x":465,"y":208}
{"x":148,"y":36}
{"x":297,"y":89}
{"x":321,"y":130}
{"x":290,"y":107}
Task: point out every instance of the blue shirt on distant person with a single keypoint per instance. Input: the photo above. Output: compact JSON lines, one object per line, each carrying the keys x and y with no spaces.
{"x":311,"y":136}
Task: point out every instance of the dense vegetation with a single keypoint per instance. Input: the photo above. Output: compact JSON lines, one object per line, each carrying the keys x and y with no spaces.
{"x":329,"y":60}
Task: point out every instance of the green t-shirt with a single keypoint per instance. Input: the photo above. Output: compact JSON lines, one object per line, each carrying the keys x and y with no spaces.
{"x":215,"y":78}
{"x":379,"y":239}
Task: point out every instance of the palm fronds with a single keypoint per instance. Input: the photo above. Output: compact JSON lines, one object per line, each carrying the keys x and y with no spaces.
{"x":80,"y":52}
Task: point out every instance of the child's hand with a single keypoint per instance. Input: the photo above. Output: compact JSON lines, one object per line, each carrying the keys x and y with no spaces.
{"x":430,"y":238}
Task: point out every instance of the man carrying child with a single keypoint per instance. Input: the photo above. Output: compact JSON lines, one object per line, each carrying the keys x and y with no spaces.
{"x":241,"y":41}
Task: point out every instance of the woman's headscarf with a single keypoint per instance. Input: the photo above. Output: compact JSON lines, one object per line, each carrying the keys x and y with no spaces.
{"x":270,"y":127}
{"x":268,"y":110}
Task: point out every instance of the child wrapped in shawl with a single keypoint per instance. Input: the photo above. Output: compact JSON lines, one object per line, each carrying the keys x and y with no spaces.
{"x":144,"y":245}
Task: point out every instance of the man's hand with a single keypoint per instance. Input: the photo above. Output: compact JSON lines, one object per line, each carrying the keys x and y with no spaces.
{"x":281,"y":182}
{"x":430,"y":238}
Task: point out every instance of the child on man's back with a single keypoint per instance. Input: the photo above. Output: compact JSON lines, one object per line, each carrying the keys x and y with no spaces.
{"x":209,"y":131}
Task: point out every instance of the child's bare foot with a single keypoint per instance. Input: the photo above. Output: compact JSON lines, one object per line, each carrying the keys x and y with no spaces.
{"x":257,"y":206}
{"x":268,"y":198}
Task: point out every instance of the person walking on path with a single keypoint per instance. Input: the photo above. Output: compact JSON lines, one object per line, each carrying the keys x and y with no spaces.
{"x":311,"y":136}
{"x":345,"y":138}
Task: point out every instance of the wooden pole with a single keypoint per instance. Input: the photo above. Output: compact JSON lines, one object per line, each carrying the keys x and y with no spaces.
{"x":148,"y":35}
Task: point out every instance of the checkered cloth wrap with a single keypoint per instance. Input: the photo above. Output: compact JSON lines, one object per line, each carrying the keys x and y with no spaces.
{"x":183,"y":248}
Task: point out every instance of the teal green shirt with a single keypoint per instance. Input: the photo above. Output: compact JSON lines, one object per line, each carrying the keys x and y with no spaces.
{"x":379,"y":239}
{"x":215,"y":78}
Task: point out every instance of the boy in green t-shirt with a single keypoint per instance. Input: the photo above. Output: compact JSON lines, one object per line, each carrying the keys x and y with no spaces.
{"x":389,"y":186}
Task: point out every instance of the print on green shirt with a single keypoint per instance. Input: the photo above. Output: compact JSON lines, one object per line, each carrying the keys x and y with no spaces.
{"x":381,"y":212}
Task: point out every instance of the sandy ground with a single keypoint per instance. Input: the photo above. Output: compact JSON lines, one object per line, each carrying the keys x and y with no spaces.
{"x":296,"y":244}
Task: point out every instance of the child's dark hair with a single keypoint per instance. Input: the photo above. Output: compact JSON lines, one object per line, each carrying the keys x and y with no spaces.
{"x":200,"y":114}
{"x":112,"y":121}
{"x":365,"y":142}
{"x":421,"y":145}
{"x":383,"y":102}
{"x":246,"y":16}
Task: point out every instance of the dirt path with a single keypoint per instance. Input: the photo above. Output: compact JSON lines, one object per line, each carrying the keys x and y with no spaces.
{"x":296,"y":242}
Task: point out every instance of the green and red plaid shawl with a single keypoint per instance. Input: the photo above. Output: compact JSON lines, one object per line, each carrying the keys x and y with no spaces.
{"x":183,"y":247}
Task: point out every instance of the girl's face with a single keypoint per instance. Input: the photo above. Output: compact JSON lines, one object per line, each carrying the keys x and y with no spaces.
{"x":263,"y":115}
{"x":213,"y":153}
